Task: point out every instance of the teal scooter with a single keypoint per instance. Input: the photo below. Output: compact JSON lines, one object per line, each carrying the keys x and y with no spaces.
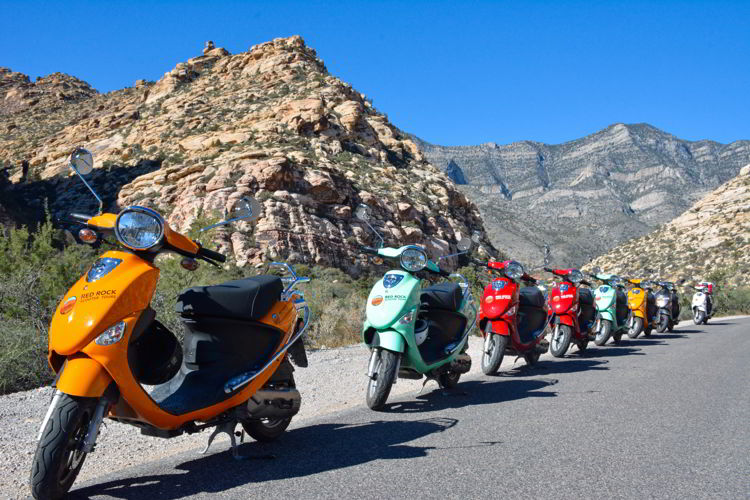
{"x":612,"y":308}
{"x":414,"y":332}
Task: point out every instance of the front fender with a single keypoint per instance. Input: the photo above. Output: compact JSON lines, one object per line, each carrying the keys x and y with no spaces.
{"x":607,"y":314}
{"x":389,"y":339}
{"x":84,"y":377}
{"x":563,"y":319}
{"x":498,"y":327}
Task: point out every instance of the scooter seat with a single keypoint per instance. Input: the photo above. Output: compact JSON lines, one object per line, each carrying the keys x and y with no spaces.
{"x":585,"y":296}
{"x":245,"y":299}
{"x":442,"y":296}
{"x":531,"y":296}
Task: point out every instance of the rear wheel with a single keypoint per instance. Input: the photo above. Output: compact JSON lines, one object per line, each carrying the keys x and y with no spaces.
{"x":266,"y":430}
{"x":384,"y":373}
{"x":494,"y":351}
{"x":636,"y":327}
{"x":617,"y":337}
{"x":449,"y":379}
{"x":605,"y":331}
{"x":532,"y":358}
{"x":58,"y":457}
{"x":647,"y":330}
{"x":560,"y":342}
{"x":670,"y":326}
{"x":582,"y":344}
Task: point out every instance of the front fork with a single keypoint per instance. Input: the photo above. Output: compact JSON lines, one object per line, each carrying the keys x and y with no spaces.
{"x":374,"y":354}
{"x":96,"y":421}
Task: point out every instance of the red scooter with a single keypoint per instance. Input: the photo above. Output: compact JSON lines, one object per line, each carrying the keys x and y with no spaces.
{"x":512,"y":319}
{"x":572,"y":311}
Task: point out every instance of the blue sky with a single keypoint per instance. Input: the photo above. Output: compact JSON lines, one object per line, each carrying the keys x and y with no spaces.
{"x":450,"y":72}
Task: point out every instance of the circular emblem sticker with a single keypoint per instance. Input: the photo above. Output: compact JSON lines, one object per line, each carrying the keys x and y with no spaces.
{"x":377,"y":300}
{"x":489,"y":299}
{"x":67,"y":306}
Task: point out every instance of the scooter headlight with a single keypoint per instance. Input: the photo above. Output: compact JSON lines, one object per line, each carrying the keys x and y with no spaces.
{"x":111,"y":335}
{"x":513,"y":270}
{"x":413,"y":259}
{"x":575,"y":276}
{"x":139,"y":228}
{"x":662,"y":301}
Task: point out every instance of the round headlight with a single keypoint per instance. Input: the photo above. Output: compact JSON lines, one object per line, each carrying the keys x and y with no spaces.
{"x":513,"y":270}
{"x":413,"y":259}
{"x":575,"y":276}
{"x":139,"y":228}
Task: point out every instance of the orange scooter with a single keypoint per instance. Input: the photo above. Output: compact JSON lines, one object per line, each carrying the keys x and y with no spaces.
{"x":642,"y":305}
{"x":114,"y":359}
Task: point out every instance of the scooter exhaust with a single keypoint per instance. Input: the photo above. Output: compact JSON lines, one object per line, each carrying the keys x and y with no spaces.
{"x":274,"y":403}
{"x":462,"y":364}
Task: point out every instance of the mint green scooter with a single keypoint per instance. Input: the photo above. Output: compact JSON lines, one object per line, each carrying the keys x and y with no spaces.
{"x":414,"y":332}
{"x":612,"y":308}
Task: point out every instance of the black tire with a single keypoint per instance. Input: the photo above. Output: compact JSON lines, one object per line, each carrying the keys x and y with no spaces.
{"x":636,"y":328}
{"x":58,"y":460}
{"x":532,"y":358}
{"x":379,"y":387}
{"x":663,"y":323}
{"x":647,"y":331}
{"x":449,"y":379}
{"x":699,"y":317}
{"x":670,"y":326}
{"x":617,"y":337}
{"x":491,"y":362}
{"x":605,"y":331}
{"x":267,"y":429}
{"x":582,"y":344}
{"x":560,"y":341}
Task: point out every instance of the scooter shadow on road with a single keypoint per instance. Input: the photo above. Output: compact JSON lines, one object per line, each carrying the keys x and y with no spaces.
{"x":474,"y":393}
{"x":299,"y":452}
{"x":612,"y":351}
{"x":547,"y":366}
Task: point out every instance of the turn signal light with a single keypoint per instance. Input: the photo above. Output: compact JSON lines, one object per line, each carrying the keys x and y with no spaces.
{"x":68,"y":305}
{"x":87,"y":236}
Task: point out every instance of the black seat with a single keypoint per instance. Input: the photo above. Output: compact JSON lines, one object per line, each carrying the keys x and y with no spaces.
{"x":442,"y":296}
{"x":531,"y":296}
{"x":585,"y":296}
{"x":245,"y":299}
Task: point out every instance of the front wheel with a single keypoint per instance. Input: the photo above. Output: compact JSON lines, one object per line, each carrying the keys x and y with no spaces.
{"x":636,"y":327}
{"x":663,"y":324}
{"x":492,"y":357}
{"x":384,"y":374}
{"x":58,"y":457}
{"x":605,"y":331}
{"x":561,"y":336}
{"x":266,"y":430}
{"x":699,"y":317}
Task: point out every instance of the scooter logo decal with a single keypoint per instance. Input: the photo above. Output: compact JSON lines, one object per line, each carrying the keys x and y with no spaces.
{"x":555,"y":298}
{"x":67,"y":306}
{"x":636,"y":291}
{"x":377,"y":300}
{"x":603,"y":289}
{"x":563,"y":287}
{"x":391,"y":280}
{"x":489,"y":299}
{"x":498,"y":285}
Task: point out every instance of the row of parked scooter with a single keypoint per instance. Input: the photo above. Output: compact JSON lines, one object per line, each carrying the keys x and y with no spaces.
{"x":416,"y":332}
{"x":114,"y":359}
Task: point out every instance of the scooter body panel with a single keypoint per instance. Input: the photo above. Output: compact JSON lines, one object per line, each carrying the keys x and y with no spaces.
{"x":101,"y":304}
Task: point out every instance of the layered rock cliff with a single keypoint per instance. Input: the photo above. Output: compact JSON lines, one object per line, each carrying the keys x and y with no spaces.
{"x":586,"y":196}
{"x":271,"y":123}
{"x":712,"y":236}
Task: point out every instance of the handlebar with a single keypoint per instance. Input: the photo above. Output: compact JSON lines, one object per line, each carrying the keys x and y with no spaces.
{"x":210,"y":254}
{"x":370,"y":250}
{"x":81,"y":217}
{"x":586,"y":282}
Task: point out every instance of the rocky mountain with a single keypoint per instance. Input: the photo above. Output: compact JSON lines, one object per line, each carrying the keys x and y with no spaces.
{"x":584,"y":197}
{"x":270,"y":122}
{"x":713,"y":235}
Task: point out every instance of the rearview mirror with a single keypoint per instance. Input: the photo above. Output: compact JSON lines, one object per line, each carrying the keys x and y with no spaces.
{"x":242,"y":209}
{"x":362,"y":212}
{"x":464,"y":244}
{"x":82,"y":161}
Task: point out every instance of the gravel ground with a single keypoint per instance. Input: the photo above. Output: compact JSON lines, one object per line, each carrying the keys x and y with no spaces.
{"x":334,"y":380}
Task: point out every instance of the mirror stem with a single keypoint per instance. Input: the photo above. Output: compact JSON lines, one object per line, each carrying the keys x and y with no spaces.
{"x":101,"y":203}
{"x":382,"y":241}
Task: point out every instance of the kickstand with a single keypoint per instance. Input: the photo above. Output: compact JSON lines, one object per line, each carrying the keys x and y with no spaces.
{"x":226,"y":428}
{"x":516,"y":360}
{"x":426,"y":379}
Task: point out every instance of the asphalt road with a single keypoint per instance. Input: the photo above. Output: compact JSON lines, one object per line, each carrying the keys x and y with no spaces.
{"x":664,"y":417}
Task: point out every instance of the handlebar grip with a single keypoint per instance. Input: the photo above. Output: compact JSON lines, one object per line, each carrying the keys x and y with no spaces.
{"x":531,"y":280}
{"x":210,"y":254}
{"x":367,"y":249}
{"x":81,"y":217}
{"x":585,"y":282}
{"x":444,"y":274}
{"x":549,"y":270}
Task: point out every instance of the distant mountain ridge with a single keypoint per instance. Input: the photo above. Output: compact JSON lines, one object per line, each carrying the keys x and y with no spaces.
{"x":585,"y":196}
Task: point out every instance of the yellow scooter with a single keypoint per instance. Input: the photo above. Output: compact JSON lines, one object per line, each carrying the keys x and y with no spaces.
{"x":642,"y":305}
